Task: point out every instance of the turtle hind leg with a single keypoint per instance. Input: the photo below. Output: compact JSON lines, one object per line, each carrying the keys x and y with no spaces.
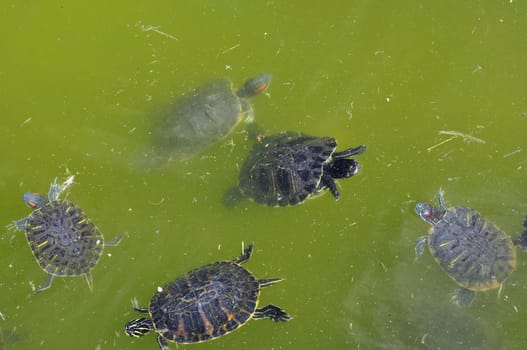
{"x":327,"y":180}
{"x":272,"y":312}
{"x":163,"y":344}
{"x":115,"y":241}
{"x":136,"y":307}
{"x":246,"y":255}
{"x":463,"y":297}
{"x":232,"y":197}
{"x":89,"y":280}
{"x":47,"y":283}
{"x":269,"y":282}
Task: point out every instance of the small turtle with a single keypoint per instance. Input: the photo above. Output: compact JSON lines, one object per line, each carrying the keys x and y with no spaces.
{"x":205,"y":304}
{"x":62,"y":238}
{"x":470,"y":249}
{"x":204,"y":116}
{"x":289,"y":167}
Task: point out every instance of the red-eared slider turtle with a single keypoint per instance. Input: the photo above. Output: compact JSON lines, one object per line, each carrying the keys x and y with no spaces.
{"x":287,"y":168}
{"x":62,"y":238}
{"x":204,"y":116}
{"x":205,"y":304}
{"x":470,"y":249}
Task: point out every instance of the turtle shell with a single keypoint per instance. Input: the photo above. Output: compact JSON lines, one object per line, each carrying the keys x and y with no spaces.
{"x":286,"y":168}
{"x":206,"y":303}
{"x":200,"y":118}
{"x":63,"y":240}
{"x":473,"y":251}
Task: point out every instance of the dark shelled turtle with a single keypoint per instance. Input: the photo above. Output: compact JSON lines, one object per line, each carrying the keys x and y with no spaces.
{"x":473,"y":251}
{"x":289,"y":167}
{"x":62,"y":238}
{"x":204,"y":116}
{"x":522,"y":239}
{"x":205,"y":304}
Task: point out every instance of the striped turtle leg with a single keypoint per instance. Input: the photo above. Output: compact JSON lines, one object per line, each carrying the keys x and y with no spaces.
{"x":349,"y":152}
{"x":269,"y":282}
{"x":273,"y":312}
{"x":246,"y":255}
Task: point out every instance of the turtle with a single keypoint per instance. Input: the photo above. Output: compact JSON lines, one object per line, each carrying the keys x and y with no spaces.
{"x":64,"y":241}
{"x":473,"y":251}
{"x":289,"y":167}
{"x":206,"y":303}
{"x":204,"y":116}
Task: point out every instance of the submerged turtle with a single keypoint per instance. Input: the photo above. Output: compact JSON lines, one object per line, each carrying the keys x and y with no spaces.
{"x":62,"y":238}
{"x":287,"y":168}
{"x":470,"y":249}
{"x":205,"y":115}
{"x":205,"y":304}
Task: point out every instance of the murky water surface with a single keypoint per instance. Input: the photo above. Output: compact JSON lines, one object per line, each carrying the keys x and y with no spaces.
{"x":436,"y":91}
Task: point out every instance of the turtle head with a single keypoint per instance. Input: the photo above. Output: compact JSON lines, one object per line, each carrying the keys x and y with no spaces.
{"x":34,"y":200}
{"x":139,"y":327}
{"x":342,"y":168}
{"x":428,"y":213}
{"x":254,"y":86}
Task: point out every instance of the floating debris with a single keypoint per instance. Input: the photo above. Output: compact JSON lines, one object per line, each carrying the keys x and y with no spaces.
{"x":453,"y":135}
{"x":230,"y":49}
{"x":518,"y":150}
{"x":466,"y":137}
{"x":155,"y":29}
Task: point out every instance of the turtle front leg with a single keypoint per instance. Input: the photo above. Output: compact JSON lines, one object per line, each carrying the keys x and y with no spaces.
{"x":420,"y":244}
{"x":328,"y":181}
{"x":19,"y":225}
{"x":441,"y":199}
{"x":273,"y":312}
{"x":246,"y":255}
{"x":56,"y":189}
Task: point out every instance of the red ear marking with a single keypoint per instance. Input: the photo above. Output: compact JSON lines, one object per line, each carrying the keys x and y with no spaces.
{"x":261,"y":87}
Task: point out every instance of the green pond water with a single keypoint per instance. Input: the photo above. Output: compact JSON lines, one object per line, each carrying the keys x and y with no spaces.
{"x":80,"y":84}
